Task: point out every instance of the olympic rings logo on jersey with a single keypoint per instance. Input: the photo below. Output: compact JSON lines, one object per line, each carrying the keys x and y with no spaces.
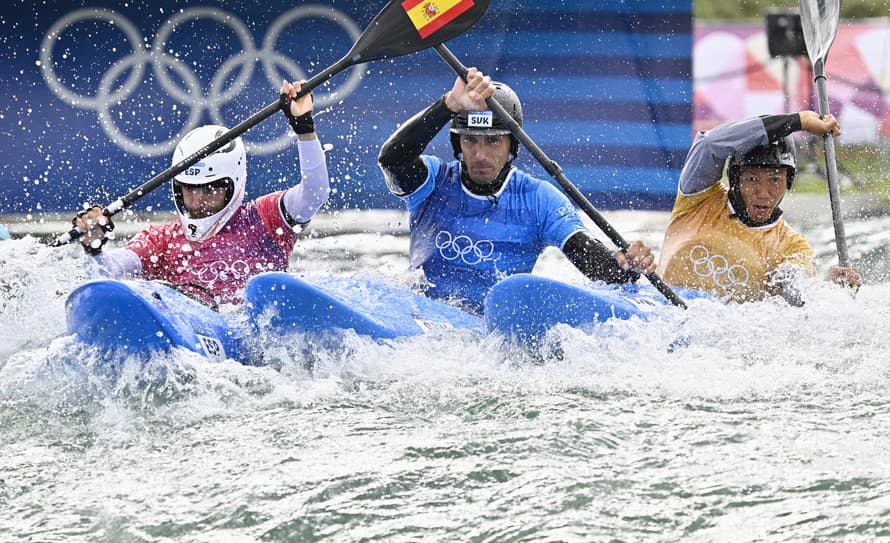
{"x":220,"y":270}
{"x":717,"y":267}
{"x":464,"y":248}
{"x":131,"y":68}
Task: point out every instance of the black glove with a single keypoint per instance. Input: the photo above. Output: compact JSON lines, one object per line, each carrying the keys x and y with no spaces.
{"x":304,"y":124}
{"x":107,"y":227}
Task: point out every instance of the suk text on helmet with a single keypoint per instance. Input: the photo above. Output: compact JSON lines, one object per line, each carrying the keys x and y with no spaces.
{"x":477,"y":123}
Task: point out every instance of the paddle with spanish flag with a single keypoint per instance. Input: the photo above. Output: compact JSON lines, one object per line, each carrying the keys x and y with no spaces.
{"x":429,"y":16}
{"x":402,"y":27}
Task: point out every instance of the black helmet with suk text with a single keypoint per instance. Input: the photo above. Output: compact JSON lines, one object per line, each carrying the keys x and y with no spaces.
{"x":486,"y":123}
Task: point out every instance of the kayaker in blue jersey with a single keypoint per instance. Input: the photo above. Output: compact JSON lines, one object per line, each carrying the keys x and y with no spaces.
{"x":733,"y":242}
{"x":478,"y":219}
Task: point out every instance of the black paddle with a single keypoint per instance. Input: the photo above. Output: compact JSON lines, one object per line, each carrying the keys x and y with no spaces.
{"x":556,"y":172}
{"x":401,"y":27}
{"x":819,"y":19}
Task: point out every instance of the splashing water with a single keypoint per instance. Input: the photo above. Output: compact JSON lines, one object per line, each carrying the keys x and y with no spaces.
{"x":744,"y":423}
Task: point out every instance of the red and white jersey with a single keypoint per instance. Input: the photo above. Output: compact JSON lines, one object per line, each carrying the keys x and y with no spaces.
{"x":257,"y":239}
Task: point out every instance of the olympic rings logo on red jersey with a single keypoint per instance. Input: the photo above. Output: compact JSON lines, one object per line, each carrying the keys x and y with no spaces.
{"x":220,"y":270}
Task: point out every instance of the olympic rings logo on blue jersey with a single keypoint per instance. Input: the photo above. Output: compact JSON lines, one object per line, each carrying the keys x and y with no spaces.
{"x":193,"y":96}
{"x":464,"y":248}
{"x":717,"y":267}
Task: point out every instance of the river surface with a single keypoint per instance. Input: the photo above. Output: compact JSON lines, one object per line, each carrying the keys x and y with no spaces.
{"x":765,"y":423}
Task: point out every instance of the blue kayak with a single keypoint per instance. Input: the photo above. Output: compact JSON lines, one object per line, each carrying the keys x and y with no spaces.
{"x":370,"y":308}
{"x":143,"y":317}
{"x":525,"y":306}
{"x":137,"y":317}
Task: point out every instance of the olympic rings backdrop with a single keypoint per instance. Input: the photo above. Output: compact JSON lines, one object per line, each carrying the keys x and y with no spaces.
{"x":97,"y":93}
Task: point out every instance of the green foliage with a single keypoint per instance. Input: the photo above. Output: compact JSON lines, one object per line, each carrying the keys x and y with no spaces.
{"x":862,"y":168}
{"x":755,"y":9}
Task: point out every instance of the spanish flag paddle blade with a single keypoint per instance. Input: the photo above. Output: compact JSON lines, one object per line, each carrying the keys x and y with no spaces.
{"x":406,"y":26}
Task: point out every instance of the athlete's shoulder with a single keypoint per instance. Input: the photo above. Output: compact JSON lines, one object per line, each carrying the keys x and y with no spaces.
{"x":713,"y":198}
{"x":523,"y":182}
{"x":169,"y":228}
{"x":789,"y":233}
{"x":156,"y":238}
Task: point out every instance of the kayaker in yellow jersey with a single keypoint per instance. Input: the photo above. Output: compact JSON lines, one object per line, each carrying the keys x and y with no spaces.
{"x":733,"y":242}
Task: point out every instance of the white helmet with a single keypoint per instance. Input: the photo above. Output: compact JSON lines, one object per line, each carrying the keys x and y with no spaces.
{"x":228,"y":162}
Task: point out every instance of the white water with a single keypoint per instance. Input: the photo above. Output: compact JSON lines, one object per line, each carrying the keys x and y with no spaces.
{"x":765,"y":423}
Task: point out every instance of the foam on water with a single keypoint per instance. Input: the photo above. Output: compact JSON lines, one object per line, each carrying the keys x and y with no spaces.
{"x":753,"y":422}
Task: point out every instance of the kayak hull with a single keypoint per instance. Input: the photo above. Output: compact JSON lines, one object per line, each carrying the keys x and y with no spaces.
{"x":139,"y":317}
{"x":286,"y":304}
{"x":142,"y":317}
{"x":526,"y":306}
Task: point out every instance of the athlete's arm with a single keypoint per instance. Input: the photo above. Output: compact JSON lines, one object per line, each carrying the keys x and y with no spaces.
{"x":115,"y":264}
{"x":707,"y":156}
{"x":595,"y":261}
{"x":300,"y":203}
{"x":399,"y":157}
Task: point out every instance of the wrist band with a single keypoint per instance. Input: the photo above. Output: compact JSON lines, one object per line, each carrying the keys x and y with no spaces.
{"x":304,"y":124}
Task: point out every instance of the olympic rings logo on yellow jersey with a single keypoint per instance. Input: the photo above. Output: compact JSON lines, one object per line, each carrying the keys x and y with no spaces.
{"x":717,"y":268}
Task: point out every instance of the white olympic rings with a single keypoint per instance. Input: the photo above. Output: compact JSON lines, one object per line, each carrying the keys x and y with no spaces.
{"x":462,"y":247}
{"x":220,"y":270}
{"x":717,"y":267}
{"x":131,"y":68}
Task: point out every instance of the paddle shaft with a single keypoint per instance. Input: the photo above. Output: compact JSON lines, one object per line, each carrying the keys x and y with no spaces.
{"x":834,"y":193}
{"x":556,"y":172}
{"x":391,"y":33}
{"x":140,"y":192}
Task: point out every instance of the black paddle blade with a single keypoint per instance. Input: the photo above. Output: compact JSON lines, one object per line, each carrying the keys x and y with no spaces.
{"x":406,"y":26}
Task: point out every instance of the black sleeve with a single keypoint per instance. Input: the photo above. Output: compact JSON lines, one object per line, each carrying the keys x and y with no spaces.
{"x":779,"y":126}
{"x":596,"y":261}
{"x":400,"y":155}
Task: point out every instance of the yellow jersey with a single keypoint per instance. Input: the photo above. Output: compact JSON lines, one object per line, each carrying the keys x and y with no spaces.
{"x":707,"y":248}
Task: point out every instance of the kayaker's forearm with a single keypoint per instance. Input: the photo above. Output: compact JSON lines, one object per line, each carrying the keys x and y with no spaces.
{"x":399,"y":158}
{"x":595,"y":261}
{"x":305,"y":199}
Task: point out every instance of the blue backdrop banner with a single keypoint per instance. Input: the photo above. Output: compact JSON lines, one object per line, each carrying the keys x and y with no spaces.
{"x":98,"y":92}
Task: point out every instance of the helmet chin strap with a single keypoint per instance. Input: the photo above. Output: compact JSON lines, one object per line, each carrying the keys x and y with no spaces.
{"x":488,"y":189}
{"x":741,"y":210}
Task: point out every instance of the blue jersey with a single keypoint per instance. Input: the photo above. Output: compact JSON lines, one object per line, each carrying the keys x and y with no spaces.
{"x":465,"y":243}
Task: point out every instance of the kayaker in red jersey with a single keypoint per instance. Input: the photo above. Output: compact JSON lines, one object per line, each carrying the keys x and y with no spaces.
{"x":219,"y":241}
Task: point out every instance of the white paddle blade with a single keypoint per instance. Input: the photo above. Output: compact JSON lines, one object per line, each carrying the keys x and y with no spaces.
{"x":819,"y":19}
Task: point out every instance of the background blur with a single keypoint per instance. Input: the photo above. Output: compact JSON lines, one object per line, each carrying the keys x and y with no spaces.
{"x":98,"y":92}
